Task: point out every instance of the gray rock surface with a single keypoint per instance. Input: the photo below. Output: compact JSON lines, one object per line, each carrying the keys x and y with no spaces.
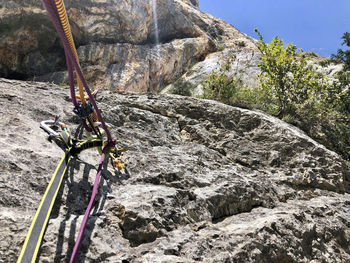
{"x":243,"y":65}
{"x":122,"y":32}
{"x":208,"y":183}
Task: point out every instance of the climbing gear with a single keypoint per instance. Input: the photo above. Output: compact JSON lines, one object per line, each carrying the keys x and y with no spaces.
{"x":116,"y":156}
{"x":36,"y":231}
{"x":118,"y":164}
{"x":74,"y":146}
{"x":45,"y":126}
{"x":84,"y":112}
{"x":57,"y":12}
{"x":86,"y":108}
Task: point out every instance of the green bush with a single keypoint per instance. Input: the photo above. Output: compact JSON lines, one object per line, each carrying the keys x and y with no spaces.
{"x":343,"y":56}
{"x":325,"y":62}
{"x":219,"y":85}
{"x":301,"y":95}
{"x":343,"y":77}
{"x":182,"y":87}
{"x":285,"y":75}
{"x":337,"y":137}
{"x":291,"y":89}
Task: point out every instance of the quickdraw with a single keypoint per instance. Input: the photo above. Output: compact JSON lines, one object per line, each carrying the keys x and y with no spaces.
{"x":86,"y":108}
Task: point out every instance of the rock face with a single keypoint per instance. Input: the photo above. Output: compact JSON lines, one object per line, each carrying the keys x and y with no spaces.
{"x":116,"y":40}
{"x":208,"y":183}
{"x":243,"y":65}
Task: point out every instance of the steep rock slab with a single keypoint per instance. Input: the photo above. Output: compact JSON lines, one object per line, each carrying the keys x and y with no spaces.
{"x":299,"y":231}
{"x":30,"y":47}
{"x":208,"y":183}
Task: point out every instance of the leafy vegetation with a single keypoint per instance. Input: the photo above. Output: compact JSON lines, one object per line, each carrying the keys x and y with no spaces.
{"x":343,"y":56}
{"x":222,"y":86}
{"x":343,"y":77}
{"x":292,"y":84}
{"x":292,"y":89}
{"x":220,"y":46}
{"x":182,"y":87}
{"x":339,"y":133}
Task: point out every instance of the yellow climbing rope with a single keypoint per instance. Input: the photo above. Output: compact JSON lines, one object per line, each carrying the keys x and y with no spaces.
{"x":68,"y":32}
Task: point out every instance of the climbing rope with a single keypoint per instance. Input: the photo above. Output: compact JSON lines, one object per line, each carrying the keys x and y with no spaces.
{"x":86,"y":108}
{"x":59,"y":18}
{"x":36,"y":231}
{"x":68,"y":34}
{"x":73,"y":147}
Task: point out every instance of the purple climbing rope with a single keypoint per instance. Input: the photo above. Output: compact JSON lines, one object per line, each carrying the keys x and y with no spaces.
{"x":51,"y":8}
{"x":88,"y":209}
{"x":73,"y":64}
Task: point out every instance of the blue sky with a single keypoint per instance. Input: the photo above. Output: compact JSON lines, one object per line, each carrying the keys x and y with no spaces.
{"x":313,"y":25}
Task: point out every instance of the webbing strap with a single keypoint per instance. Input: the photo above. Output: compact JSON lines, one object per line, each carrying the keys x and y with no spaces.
{"x":65,"y":137}
{"x":83,"y":145}
{"x":36,"y":231}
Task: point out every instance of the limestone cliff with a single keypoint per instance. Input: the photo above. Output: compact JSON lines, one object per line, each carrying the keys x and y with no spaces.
{"x":116,"y":40}
{"x":208,"y":183}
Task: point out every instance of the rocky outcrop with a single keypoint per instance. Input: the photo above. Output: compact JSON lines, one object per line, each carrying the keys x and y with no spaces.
{"x":122,"y":32}
{"x":207,"y":182}
{"x":28,"y":44}
{"x":242,"y":64}
{"x":147,"y":66}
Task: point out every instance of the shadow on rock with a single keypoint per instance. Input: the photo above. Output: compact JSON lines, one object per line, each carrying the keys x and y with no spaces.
{"x":74,"y":205}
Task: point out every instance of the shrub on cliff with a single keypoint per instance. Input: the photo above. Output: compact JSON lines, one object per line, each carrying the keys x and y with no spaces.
{"x":221,"y":86}
{"x":291,"y":89}
{"x":343,"y":56}
{"x":343,"y":77}
{"x":293,"y":85}
{"x":299,"y":93}
{"x":182,"y":87}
